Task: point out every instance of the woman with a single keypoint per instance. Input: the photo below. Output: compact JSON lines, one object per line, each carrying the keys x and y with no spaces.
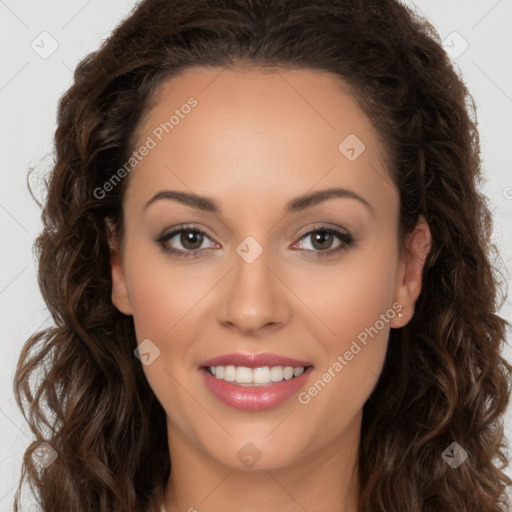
{"x":269,"y":266}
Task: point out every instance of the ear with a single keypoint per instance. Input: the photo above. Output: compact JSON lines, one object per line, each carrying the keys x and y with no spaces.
{"x":120,"y":297}
{"x":409,"y":275}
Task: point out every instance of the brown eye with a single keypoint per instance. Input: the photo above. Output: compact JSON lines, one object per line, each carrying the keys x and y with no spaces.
{"x":322,"y":240}
{"x":191,"y":239}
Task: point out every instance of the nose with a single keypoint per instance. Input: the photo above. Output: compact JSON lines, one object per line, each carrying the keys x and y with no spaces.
{"x":254,"y":297}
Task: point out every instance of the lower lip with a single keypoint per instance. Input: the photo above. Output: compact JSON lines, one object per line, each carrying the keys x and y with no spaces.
{"x":254,"y":398}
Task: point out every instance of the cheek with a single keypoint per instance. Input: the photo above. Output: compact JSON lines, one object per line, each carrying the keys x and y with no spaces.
{"x":354,"y":304}
{"x":348,"y":297}
{"x":163,"y":297}
{"x":162,"y":292}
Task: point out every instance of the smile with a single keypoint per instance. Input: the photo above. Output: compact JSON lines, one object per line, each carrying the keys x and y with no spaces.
{"x":254,"y":382}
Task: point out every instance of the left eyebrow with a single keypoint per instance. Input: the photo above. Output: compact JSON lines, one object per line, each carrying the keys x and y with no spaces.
{"x":297,"y":204}
{"x":313,"y":198}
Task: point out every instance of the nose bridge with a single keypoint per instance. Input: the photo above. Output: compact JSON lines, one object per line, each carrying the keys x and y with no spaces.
{"x":254,"y":298}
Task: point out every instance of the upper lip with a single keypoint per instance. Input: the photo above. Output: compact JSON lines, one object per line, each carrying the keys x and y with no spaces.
{"x":253,"y":360}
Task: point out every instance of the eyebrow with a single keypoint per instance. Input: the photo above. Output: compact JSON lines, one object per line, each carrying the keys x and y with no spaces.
{"x":297,"y":204}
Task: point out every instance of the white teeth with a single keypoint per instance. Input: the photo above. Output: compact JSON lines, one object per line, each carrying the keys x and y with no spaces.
{"x":261,"y":375}
{"x":276,"y":374}
{"x":243,"y":375}
{"x":298,"y":371}
{"x":255,"y":376}
{"x":229,"y":373}
{"x":288,"y":372}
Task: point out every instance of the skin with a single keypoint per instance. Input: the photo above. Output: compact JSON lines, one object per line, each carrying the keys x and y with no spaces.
{"x":255,"y":141}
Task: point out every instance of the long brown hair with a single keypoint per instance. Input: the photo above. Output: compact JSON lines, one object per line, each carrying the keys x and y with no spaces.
{"x":444,"y":379}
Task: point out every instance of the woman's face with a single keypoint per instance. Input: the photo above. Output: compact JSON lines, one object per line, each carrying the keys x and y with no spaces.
{"x":264,"y":275}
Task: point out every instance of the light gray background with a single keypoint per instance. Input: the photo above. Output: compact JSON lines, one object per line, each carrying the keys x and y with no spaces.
{"x":30,"y":87}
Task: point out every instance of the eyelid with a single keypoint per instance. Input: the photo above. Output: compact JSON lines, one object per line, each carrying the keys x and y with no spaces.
{"x":323,"y":226}
{"x":183,"y":227}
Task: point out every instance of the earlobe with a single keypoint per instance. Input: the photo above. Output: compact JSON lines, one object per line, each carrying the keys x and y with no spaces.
{"x":409,"y":276}
{"x":120,"y":297}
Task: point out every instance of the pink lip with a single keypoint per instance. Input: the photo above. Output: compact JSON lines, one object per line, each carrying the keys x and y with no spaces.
{"x":254,"y":398}
{"x":253,"y":360}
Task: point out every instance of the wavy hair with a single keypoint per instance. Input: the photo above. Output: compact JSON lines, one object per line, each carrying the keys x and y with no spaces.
{"x":444,"y":379}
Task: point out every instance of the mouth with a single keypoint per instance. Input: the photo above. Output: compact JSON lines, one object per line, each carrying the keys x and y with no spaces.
{"x":255,"y":388}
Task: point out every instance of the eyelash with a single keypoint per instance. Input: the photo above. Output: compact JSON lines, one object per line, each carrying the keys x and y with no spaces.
{"x":346,"y":239}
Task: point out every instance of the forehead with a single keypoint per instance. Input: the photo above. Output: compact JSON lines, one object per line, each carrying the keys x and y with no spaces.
{"x":248,"y":130}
